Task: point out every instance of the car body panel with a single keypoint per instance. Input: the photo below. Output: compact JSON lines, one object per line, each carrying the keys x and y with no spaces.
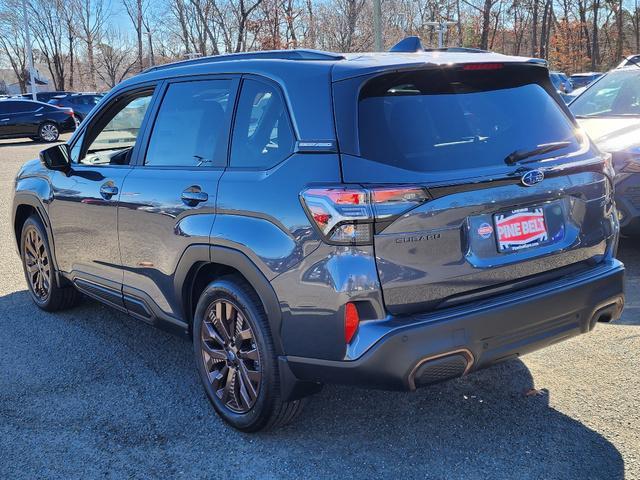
{"x":26,"y":120}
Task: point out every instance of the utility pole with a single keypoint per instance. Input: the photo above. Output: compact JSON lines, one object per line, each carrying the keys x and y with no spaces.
{"x":441,"y":29}
{"x":32,"y":75}
{"x":377,"y":26}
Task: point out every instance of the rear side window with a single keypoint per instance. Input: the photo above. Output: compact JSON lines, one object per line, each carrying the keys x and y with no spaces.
{"x":438,"y":121}
{"x":19,"y":107}
{"x":8,"y":107}
{"x":191,"y":129}
{"x":262,"y":135}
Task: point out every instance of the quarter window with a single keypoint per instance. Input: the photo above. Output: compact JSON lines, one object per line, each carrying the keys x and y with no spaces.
{"x":262,"y":135}
{"x":192,"y":126}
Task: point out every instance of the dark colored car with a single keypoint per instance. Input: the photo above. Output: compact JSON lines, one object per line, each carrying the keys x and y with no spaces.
{"x":609,"y":111}
{"x":631,"y":60}
{"x":36,"y":120}
{"x":383,"y":220}
{"x":580,"y":80}
{"x":45,"y":96}
{"x":82,"y":104}
{"x":561,"y":82}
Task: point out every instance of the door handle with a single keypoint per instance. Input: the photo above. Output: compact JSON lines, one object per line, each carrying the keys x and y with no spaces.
{"x":107,"y":191}
{"x":193,"y":196}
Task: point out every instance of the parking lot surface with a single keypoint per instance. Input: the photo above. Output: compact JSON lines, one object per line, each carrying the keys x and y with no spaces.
{"x":94,"y":393}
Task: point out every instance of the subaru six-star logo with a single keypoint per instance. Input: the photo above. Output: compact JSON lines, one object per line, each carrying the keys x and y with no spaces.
{"x":532,"y":177}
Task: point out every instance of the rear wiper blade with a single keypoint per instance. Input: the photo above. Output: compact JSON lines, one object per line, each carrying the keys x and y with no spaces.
{"x":519,"y":155}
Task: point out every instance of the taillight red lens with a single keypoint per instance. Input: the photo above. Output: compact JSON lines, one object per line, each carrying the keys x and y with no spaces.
{"x":483,"y":66}
{"x":346,"y":215}
{"x":351,"y":321}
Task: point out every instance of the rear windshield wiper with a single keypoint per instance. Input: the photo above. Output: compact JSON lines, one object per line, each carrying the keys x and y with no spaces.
{"x":519,"y":155}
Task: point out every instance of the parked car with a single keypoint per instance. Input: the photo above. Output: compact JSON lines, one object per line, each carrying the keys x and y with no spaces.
{"x":580,"y":80}
{"x":629,"y":61}
{"x":36,"y":120}
{"x":44,"y":96}
{"x":382,"y":220}
{"x":609,"y":111}
{"x":81,"y":104}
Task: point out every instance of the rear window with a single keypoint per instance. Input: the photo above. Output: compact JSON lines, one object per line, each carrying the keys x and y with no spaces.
{"x":437,"y":121}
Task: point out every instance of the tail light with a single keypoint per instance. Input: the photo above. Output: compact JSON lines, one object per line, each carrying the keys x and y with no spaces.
{"x":69,"y":112}
{"x":348,"y":216}
{"x":351,"y":321}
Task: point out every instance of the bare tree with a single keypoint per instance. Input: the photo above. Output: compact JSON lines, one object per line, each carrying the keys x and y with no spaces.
{"x":114,"y":58}
{"x":92,"y":15}
{"x":12,"y":41}
{"x":50,"y":36}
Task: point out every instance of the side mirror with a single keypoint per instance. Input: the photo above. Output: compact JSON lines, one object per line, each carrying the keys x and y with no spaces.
{"x":56,"y":158}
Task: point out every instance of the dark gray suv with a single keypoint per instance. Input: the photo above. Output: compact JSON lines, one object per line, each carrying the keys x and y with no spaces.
{"x":383,"y":220}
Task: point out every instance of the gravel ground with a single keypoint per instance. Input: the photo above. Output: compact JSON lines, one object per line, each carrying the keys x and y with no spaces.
{"x":94,"y":393}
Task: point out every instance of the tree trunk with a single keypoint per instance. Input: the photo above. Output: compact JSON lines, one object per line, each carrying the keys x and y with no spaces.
{"x":486,"y":24}
{"x":534,"y":29}
{"x":595,"y":42}
{"x":71,"y":61}
{"x":92,"y":65}
{"x":139,"y":33}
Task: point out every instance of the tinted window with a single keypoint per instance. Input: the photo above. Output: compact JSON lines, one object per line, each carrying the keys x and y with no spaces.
{"x":191,"y":129}
{"x":262,"y":135}
{"x":8,"y":107}
{"x":20,"y":107}
{"x":436,"y":122}
{"x":617,"y":94}
{"x":111,"y":140}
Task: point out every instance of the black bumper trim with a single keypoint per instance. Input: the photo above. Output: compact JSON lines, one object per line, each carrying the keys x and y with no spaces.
{"x":510,"y":326}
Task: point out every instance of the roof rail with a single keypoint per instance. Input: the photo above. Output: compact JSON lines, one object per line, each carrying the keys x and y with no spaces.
{"x":298,"y":54}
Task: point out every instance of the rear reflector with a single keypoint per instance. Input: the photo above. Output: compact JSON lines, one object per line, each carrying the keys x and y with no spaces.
{"x":483,"y":66}
{"x":351,"y":321}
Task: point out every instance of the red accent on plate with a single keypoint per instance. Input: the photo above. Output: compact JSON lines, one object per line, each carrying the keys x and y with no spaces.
{"x":521,"y":227}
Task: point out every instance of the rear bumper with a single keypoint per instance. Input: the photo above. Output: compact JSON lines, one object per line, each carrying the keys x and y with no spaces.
{"x":429,"y":348}
{"x":67,"y":125}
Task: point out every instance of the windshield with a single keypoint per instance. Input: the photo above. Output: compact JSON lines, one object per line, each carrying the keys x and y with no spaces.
{"x":616,"y":94}
{"x":436,"y":124}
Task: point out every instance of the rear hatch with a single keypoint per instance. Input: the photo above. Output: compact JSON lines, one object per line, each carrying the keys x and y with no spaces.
{"x":514,"y":193}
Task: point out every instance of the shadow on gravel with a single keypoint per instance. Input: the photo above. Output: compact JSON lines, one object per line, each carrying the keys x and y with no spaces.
{"x":91,"y":392}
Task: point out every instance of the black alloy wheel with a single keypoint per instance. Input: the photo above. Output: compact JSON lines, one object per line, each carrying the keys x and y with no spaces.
{"x":37,"y":264}
{"x":231,"y":356}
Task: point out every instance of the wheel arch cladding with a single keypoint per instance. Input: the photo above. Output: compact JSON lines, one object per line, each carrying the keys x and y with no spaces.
{"x":222,"y":261}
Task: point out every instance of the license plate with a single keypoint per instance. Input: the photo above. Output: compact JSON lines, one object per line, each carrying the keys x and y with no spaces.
{"x":521,"y":228}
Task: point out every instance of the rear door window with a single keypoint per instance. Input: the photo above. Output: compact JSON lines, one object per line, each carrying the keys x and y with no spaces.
{"x":439,"y":121}
{"x":192,"y":126}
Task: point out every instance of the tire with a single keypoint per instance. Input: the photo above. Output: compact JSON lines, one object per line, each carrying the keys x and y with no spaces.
{"x":229,"y":379}
{"x":39,"y":271}
{"x":48,"y":132}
